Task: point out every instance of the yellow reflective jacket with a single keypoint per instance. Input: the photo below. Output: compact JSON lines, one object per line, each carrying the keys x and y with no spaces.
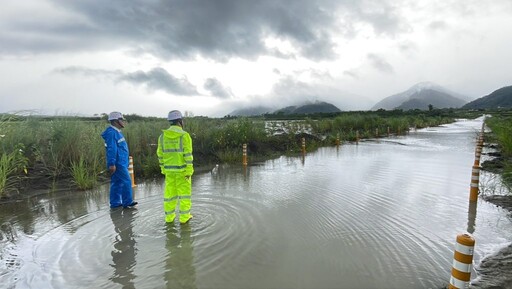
{"x":175,"y":151}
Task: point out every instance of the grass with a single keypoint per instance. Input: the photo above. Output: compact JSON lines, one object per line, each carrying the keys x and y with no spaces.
{"x":501,"y":126}
{"x":71,"y":147}
{"x":85,"y":175}
{"x":11,"y":164}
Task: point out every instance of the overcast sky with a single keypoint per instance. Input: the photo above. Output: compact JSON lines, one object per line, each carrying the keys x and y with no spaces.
{"x":209,"y":57}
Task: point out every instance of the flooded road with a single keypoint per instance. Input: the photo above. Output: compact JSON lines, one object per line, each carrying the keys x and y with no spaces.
{"x":381,"y":214}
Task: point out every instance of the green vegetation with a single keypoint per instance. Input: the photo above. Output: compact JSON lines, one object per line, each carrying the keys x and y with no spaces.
{"x":10,"y":165}
{"x":501,"y":126}
{"x":53,"y":149}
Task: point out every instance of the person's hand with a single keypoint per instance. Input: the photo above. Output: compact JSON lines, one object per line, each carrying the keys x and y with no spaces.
{"x":112,"y":169}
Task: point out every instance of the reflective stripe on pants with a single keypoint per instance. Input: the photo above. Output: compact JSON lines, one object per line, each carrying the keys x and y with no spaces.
{"x":177,"y":195}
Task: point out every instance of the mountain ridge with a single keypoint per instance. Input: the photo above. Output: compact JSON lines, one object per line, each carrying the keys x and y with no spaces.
{"x":500,"y":98}
{"x":305,"y":108}
{"x":420,"y":96}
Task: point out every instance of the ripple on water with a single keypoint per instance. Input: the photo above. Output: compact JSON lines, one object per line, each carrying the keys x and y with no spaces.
{"x":91,"y":246}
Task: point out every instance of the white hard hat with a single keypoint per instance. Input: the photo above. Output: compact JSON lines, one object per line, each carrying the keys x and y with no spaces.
{"x":115,"y":115}
{"x":174,"y":115}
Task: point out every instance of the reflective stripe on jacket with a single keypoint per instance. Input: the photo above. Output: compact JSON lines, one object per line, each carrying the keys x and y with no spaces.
{"x":175,"y":151}
{"x":116,"y":147}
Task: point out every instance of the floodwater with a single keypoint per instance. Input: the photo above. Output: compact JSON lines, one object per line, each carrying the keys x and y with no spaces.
{"x":379,"y":214}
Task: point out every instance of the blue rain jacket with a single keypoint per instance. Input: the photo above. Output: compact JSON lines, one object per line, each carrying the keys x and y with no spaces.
{"x":116,"y":146}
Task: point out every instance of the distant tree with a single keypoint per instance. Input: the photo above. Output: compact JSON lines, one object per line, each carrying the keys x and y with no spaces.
{"x":430,"y":107}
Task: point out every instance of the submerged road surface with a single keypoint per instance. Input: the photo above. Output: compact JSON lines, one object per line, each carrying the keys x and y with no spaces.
{"x":381,"y":214}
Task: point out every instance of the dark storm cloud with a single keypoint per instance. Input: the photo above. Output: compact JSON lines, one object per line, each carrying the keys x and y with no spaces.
{"x":218,"y":29}
{"x":216,"y":88}
{"x":380,"y":63}
{"x":154,"y":79}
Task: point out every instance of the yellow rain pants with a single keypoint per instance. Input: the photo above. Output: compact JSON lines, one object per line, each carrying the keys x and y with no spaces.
{"x":177,"y":195}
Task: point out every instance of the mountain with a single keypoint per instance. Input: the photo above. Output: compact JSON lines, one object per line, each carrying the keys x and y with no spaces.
{"x":306,"y":108}
{"x":497,"y":99}
{"x":420,"y":96}
{"x":250,"y":111}
{"x":423,"y":98}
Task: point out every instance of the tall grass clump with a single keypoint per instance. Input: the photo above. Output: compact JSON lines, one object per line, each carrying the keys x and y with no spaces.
{"x":12,"y":159}
{"x":71,"y":143}
{"x":11,"y":165}
{"x":83,"y":176}
{"x":142,"y":137}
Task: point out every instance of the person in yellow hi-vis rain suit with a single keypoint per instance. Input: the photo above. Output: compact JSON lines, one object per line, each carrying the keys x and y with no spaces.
{"x":175,"y":156}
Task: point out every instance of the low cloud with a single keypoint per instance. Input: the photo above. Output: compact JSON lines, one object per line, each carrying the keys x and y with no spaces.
{"x":159,"y":79}
{"x":216,"y":88}
{"x":438,"y":25}
{"x":88,"y":72}
{"x":379,"y":63}
{"x":154,"y":79}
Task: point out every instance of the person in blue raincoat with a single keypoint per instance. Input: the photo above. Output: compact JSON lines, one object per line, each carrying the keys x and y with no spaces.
{"x":117,"y":162}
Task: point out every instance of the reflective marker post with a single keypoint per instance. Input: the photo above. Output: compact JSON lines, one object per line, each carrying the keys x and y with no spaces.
{"x":478,"y":154}
{"x":475,"y":181}
{"x":132,"y":175}
{"x":462,"y":261}
{"x":130,"y":170}
{"x":244,"y":154}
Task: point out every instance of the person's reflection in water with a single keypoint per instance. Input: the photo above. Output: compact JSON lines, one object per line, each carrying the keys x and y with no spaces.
{"x":179,"y":271}
{"x":123,"y":251}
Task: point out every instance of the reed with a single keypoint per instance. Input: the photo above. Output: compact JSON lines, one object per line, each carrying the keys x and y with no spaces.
{"x":85,"y":175}
{"x":11,"y":164}
{"x":71,"y":147}
{"x":12,"y":156}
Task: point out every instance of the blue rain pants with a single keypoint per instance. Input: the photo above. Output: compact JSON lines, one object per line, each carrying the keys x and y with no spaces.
{"x":120,"y":188}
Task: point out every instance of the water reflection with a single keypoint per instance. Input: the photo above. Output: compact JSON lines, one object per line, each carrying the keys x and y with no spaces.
{"x":124,"y":251}
{"x":180,"y":270}
{"x":381,"y":214}
{"x":471,"y":217}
